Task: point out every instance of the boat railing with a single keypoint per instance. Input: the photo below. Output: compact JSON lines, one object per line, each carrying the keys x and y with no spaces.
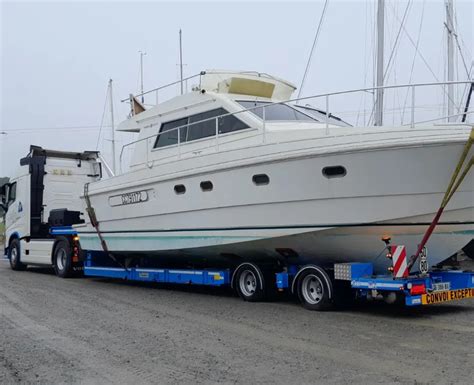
{"x":328,"y":116}
{"x":157,"y":90}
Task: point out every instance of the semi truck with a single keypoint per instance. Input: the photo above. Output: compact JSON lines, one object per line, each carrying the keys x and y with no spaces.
{"x":44,"y":193}
{"x":42,"y":205}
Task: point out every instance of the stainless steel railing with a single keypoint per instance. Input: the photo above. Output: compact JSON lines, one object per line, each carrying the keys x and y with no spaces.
{"x":264,"y":121}
{"x":158,"y":89}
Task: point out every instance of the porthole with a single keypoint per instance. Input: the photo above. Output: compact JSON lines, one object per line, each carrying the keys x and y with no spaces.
{"x":334,"y":171}
{"x":206,"y":185}
{"x":261,"y":179}
{"x":179,"y":189}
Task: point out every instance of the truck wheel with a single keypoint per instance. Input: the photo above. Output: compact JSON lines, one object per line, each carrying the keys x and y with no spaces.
{"x":249,"y":282}
{"x":62,"y":262}
{"x":14,"y":256}
{"x":314,"y":289}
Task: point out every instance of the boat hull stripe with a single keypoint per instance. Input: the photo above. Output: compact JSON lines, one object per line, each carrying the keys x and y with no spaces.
{"x":279,"y":227}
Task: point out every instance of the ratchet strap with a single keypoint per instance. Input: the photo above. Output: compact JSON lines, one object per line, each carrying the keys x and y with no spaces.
{"x":452,"y":187}
{"x":93,"y":218}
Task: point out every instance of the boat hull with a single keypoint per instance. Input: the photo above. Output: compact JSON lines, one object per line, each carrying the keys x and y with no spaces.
{"x":303,"y":245}
{"x":301,"y":215}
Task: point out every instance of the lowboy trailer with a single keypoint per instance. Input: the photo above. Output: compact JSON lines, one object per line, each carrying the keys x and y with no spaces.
{"x":317,"y":288}
{"x":49,"y":177}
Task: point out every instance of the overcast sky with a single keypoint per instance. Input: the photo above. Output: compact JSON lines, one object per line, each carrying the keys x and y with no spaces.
{"x":56,"y":57}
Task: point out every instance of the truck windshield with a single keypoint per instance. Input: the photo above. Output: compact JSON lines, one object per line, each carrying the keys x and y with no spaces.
{"x":276,"y":112}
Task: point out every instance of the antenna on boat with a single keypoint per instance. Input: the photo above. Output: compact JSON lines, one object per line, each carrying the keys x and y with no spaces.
{"x":112,"y":124}
{"x":141,"y":75}
{"x":450,"y":48}
{"x":380,"y":56}
{"x":180,"y":59}
{"x":312,"y":48}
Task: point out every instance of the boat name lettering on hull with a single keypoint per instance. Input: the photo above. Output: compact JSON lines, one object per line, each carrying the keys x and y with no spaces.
{"x":128,"y":198}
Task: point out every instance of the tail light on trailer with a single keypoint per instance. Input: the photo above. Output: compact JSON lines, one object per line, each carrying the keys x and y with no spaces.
{"x":75,"y":249}
{"x":417,"y":288}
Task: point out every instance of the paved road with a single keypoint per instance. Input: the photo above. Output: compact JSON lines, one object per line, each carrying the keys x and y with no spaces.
{"x":92,"y":331}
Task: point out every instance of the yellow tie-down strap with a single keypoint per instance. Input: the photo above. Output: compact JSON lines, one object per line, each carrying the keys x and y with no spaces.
{"x":452,"y":185}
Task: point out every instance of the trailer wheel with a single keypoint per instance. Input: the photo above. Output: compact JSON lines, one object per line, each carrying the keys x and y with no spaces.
{"x":14,"y":256}
{"x":62,"y":261}
{"x":249,"y":283}
{"x":314,"y":289}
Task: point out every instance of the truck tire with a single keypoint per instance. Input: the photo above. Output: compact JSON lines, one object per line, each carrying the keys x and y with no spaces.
{"x":314,"y":288}
{"x":14,"y":255}
{"x":249,"y":282}
{"x":62,"y":259}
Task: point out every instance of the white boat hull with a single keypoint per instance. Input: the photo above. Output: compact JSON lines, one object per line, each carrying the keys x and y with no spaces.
{"x":394,"y":191}
{"x":322,"y":246}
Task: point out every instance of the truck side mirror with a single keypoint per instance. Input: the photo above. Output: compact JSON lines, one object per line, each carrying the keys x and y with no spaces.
{"x":3,"y":197}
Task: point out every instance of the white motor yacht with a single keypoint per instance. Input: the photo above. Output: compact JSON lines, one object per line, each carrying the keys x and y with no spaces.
{"x":235,"y":170}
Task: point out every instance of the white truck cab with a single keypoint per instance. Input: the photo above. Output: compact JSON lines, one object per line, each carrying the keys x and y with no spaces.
{"x":47,"y":186}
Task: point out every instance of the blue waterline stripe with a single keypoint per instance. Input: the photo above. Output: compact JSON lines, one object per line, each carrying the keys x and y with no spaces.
{"x":281,"y":227}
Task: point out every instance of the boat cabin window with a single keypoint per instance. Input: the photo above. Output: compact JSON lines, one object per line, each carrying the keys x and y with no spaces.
{"x":261,"y":179}
{"x":168,"y":138}
{"x":203,"y":129}
{"x":276,"y":112}
{"x":206,"y":185}
{"x":204,"y":126}
{"x":179,"y":189}
{"x":334,"y":171}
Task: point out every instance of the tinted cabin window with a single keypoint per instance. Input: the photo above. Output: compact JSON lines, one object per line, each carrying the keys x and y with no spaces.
{"x":334,"y":172}
{"x":230,"y":123}
{"x":206,"y":128}
{"x":276,"y":112}
{"x":198,"y":130}
{"x":261,"y":179}
{"x":206,"y":186}
{"x":179,"y":189}
{"x":170,"y":138}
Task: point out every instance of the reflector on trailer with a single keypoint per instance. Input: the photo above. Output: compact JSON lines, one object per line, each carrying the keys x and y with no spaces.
{"x":417,"y":289}
{"x":399,"y":261}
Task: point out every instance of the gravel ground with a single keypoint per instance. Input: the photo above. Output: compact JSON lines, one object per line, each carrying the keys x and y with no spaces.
{"x":92,"y":331}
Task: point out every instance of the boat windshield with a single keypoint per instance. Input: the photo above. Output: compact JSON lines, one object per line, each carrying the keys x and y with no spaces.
{"x":276,"y":112}
{"x":320,"y":115}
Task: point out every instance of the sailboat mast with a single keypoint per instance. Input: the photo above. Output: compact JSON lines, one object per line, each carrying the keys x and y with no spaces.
{"x":380,"y":57}
{"x":450,"y":53}
{"x":181,"y":59}
{"x":112,"y":124}
{"x":141,"y":75}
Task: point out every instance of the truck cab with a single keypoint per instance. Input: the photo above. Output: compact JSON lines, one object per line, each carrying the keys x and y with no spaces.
{"x":44,"y":193}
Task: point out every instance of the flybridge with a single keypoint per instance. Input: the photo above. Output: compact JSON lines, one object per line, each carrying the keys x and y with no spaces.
{"x":250,"y":83}
{"x":247,"y":83}
{"x":255,"y":85}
